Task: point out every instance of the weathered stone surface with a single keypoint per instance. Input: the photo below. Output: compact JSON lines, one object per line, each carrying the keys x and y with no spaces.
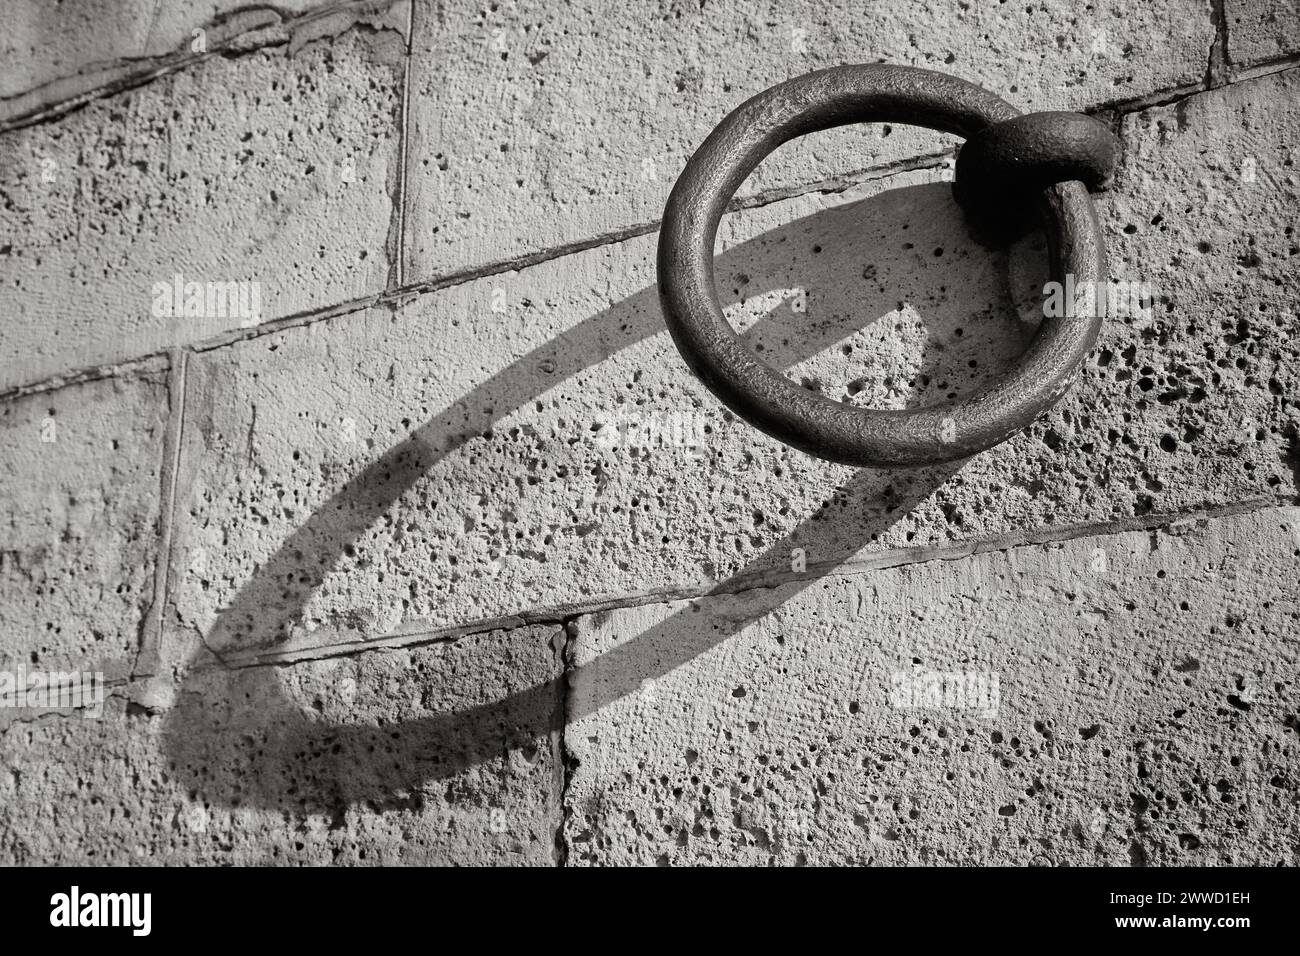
{"x":55,"y":52}
{"x":388,"y":757}
{"x":533,"y":127}
{"x":449,"y":463}
{"x":1145,"y":711}
{"x":79,"y":523}
{"x":1260,"y":31}
{"x":1205,"y":212}
{"x":460,"y":459}
{"x":47,"y":42}
{"x":235,"y":170}
{"x":398,"y":506}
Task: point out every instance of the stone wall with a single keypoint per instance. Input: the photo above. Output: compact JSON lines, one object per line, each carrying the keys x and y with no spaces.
{"x":421,"y":544}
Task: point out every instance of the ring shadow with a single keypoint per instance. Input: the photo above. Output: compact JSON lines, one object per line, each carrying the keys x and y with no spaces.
{"x":235,"y":737}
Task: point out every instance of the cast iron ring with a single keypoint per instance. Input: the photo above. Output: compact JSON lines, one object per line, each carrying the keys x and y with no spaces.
{"x":805,"y":420}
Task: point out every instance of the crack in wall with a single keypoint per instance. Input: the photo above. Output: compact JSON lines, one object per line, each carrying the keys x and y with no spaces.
{"x":1111,"y":112}
{"x":398,"y":241}
{"x":565,"y":762}
{"x":763,"y":581}
{"x":122,"y":689}
{"x":240,"y":33}
{"x":563,"y":618}
{"x":149,"y":653}
{"x":1218,"y":71}
{"x":395,"y":298}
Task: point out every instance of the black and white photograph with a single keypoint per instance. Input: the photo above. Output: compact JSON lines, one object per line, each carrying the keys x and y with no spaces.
{"x":853,"y":444}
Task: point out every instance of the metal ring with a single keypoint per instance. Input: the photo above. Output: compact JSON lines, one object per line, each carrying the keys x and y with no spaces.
{"x":814,"y":423}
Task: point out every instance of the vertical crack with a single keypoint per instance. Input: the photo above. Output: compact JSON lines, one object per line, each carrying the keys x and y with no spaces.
{"x":149,"y":653}
{"x":565,"y":762}
{"x":398,"y":271}
{"x":1218,"y":71}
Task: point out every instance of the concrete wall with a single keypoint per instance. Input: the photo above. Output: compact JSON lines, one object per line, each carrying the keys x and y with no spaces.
{"x":441,"y":554}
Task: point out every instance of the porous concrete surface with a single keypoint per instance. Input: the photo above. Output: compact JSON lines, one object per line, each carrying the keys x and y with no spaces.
{"x":60,"y":54}
{"x":583,"y":116}
{"x":458,"y":458}
{"x":80,"y":478}
{"x":1262,"y":31}
{"x":352,"y":570}
{"x":470,"y":466}
{"x":388,"y":757}
{"x":46,"y":42}
{"x":237,"y":170}
{"x":1145,"y":712}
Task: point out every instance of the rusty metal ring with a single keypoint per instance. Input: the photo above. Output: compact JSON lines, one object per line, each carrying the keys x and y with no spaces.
{"x":805,"y":420}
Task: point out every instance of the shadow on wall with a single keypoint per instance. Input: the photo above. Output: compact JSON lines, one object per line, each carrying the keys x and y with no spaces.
{"x":237,"y":738}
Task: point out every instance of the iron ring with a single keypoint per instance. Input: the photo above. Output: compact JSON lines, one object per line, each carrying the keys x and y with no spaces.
{"x":814,"y":423}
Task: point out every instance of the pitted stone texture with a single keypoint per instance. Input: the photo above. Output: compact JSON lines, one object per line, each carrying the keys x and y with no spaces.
{"x":1260,"y":31}
{"x":532,"y":128}
{"x":383,"y":474}
{"x":1145,"y":712}
{"x":389,"y":757}
{"x":1205,"y":211}
{"x":78,"y":523}
{"x":378,"y":473}
{"x":44,"y":43}
{"x":236,"y":170}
